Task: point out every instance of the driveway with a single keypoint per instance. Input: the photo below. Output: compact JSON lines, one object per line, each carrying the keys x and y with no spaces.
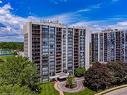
{"x":122,"y":91}
{"x":79,"y":87}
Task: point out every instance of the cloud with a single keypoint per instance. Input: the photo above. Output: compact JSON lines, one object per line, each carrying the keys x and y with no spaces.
{"x":91,"y":8}
{"x":99,"y":25}
{"x":11,"y":25}
{"x":65,"y":18}
{"x":124,"y":23}
{"x":58,"y":1}
{"x":93,"y":26}
{"x":72,"y":17}
{"x":1,"y":2}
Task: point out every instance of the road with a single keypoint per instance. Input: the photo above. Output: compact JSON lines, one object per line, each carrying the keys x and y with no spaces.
{"x":122,"y":91}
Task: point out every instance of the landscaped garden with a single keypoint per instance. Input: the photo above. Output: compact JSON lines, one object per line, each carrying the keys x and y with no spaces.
{"x":48,"y":89}
{"x":100,"y":77}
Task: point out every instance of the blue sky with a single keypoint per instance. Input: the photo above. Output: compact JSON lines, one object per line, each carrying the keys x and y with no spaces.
{"x":93,"y":13}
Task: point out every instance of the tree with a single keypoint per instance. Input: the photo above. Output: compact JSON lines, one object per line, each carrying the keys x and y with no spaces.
{"x":79,"y":71}
{"x":118,"y":71}
{"x":18,"y":70}
{"x":12,"y":46}
{"x":14,"y":53}
{"x":70,"y":81}
{"x":15,"y":90}
{"x":97,"y":77}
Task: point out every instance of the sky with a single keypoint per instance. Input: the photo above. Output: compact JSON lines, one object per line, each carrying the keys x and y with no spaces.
{"x":97,"y":14}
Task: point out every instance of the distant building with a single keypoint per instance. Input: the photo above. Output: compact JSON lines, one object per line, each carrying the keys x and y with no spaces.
{"x":56,"y":48}
{"x":109,"y":45}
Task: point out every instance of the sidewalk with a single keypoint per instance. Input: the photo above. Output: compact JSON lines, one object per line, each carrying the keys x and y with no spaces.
{"x":56,"y":87}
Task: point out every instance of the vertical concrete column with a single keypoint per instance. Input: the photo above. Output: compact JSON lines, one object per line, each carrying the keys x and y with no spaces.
{"x":87,"y":48}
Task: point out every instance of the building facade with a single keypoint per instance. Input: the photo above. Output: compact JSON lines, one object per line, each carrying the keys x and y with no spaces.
{"x":109,"y":45}
{"x":56,"y":48}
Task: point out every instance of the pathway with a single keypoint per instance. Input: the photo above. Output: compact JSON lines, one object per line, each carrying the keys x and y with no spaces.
{"x":56,"y":87}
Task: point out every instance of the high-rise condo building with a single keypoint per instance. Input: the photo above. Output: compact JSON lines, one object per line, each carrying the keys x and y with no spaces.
{"x":56,"y":49}
{"x":109,"y":45}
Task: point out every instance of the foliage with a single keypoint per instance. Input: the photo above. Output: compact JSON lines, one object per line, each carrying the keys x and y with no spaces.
{"x":86,"y":91}
{"x":48,"y":89}
{"x":15,"y":90}
{"x":97,"y":77}
{"x":12,"y":45}
{"x":79,"y":71}
{"x":4,"y":58}
{"x":1,"y":60}
{"x":70,"y":81}
{"x":14,"y":53}
{"x":101,"y":76}
{"x":118,"y":72}
{"x":18,"y":70}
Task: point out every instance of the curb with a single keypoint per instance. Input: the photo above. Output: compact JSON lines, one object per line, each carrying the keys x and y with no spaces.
{"x":111,"y":89}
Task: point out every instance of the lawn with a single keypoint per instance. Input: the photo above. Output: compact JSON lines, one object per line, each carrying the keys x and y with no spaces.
{"x":4,"y":57}
{"x":48,"y":89}
{"x":86,"y":91}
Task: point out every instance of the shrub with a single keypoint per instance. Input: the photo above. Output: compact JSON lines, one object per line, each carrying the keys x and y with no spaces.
{"x":79,"y":71}
{"x":70,"y":82}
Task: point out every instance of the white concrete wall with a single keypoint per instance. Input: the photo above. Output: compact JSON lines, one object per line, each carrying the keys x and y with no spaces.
{"x":87,"y":48}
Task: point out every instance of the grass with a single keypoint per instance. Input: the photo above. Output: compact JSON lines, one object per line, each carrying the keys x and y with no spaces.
{"x":86,"y":91}
{"x":4,"y":57}
{"x":48,"y":89}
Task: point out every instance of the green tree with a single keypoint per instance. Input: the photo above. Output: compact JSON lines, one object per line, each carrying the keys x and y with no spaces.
{"x":14,"y":53}
{"x":70,"y":81}
{"x":79,"y":71}
{"x":118,"y":71}
{"x":12,"y":45}
{"x":97,"y":77}
{"x":15,"y":90}
{"x":18,"y":70}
